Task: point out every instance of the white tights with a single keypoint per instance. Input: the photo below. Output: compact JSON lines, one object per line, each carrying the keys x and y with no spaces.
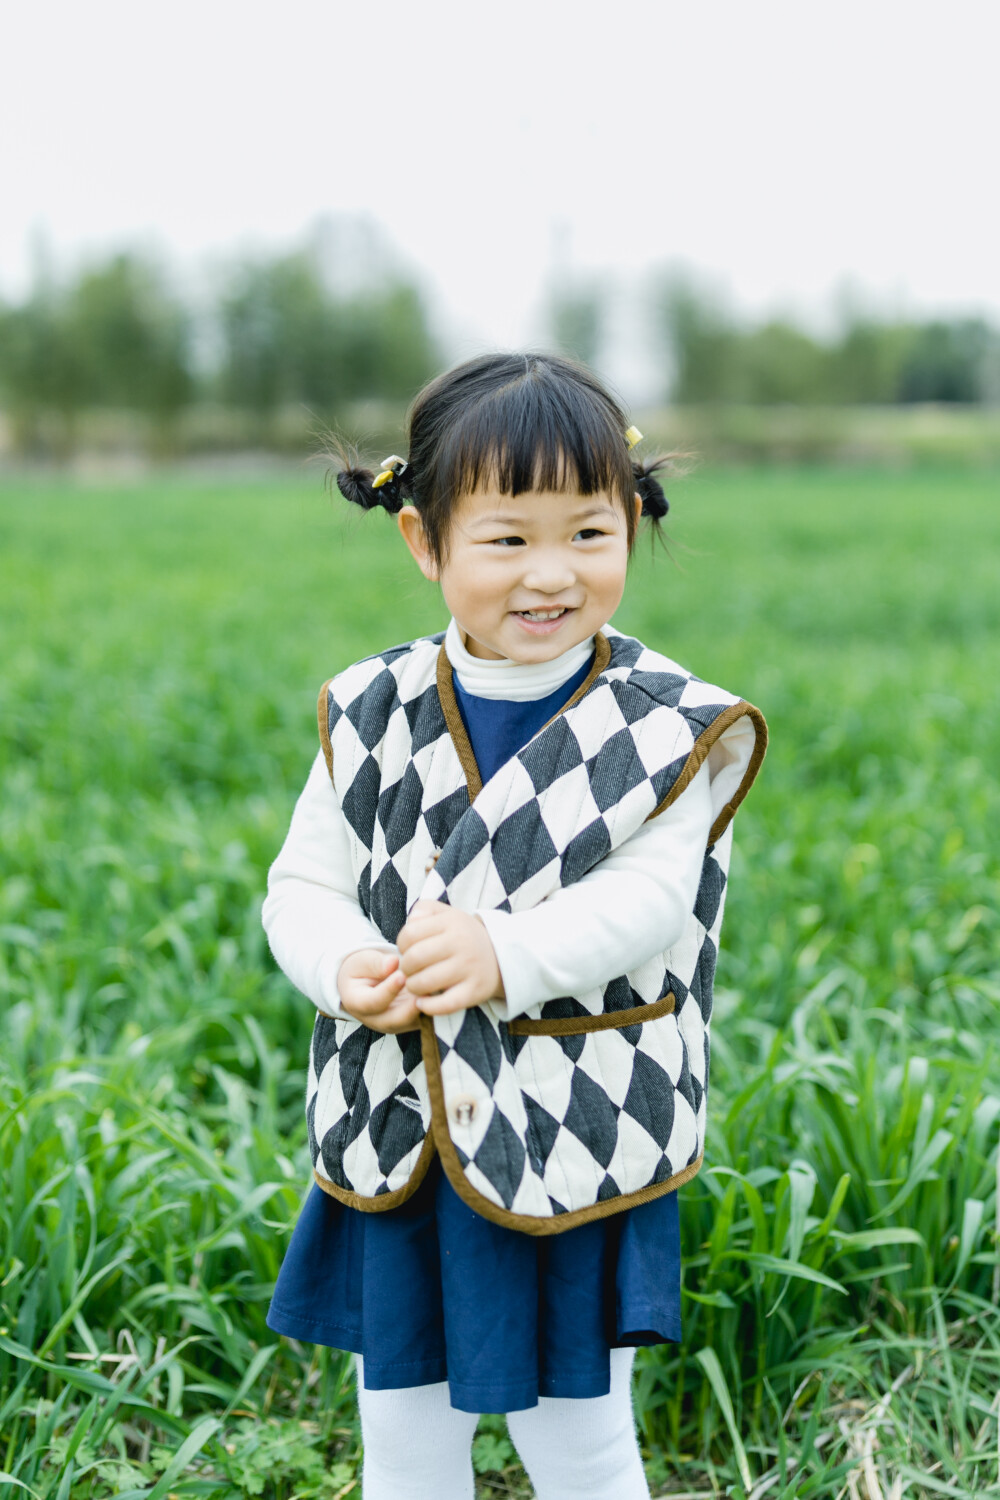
{"x":417,"y":1446}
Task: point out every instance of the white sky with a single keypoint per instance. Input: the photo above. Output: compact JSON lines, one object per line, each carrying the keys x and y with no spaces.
{"x":782,"y":147}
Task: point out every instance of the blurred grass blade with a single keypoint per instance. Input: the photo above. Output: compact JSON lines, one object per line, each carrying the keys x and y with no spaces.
{"x":257,"y":1364}
{"x":922,"y":1167}
{"x":89,"y":1380}
{"x":972,"y":1218}
{"x":871,"y":1239}
{"x":791,"y":1268}
{"x":709,"y":1361}
{"x":188,"y":1450}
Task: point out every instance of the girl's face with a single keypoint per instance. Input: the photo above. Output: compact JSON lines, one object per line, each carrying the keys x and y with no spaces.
{"x":528,"y":576}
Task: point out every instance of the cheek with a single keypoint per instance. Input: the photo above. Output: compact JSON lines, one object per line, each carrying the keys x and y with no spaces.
{"x":490,"y":570}
{"x":471,"y":579}
{"x":610,"y":576}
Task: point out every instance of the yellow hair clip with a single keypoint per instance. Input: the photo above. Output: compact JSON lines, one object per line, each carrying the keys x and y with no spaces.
{"x":632,"y":436}
{"x":388,"y":470}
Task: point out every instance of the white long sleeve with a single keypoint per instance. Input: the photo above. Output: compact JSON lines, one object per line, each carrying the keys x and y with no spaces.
{"x":634,"y":903}
{"x":630,"y":906}
{"x":311,"y":912}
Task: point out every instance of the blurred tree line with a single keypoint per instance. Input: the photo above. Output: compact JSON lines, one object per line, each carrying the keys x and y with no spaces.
{"x":281,"y":335}
{"x":118,"y":336}
{"x":708,"y":356}
{"x":113,"y":337}
{"x":867,"y":362}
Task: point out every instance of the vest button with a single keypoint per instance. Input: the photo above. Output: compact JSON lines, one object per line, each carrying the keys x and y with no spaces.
{"x":462,"y":1109}
{"x":435,"y":855}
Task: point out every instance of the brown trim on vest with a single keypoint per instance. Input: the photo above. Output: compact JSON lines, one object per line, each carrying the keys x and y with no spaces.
{"x":699,"y":755}
{"x":456,"y":725}
{"x":725,"y":817}
{"x":525,"y":1223}
{"x":383,"y":1201}
{"x":602,"y":655}
{"x":611,"y":1020}
{"x":323,"y":715}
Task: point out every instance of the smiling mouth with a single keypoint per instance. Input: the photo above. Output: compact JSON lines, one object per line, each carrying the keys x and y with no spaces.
{"x":542,"y":614}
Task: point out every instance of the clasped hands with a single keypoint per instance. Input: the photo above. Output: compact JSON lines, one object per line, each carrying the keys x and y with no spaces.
{"x":446,"y":962}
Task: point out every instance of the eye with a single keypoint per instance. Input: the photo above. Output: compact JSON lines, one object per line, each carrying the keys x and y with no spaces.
{"x":591,"y":531}
{"x":503,"y":541}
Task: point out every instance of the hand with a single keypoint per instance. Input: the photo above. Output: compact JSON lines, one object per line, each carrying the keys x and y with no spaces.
{"x":370,"y":984}
{"x":448,"y":959}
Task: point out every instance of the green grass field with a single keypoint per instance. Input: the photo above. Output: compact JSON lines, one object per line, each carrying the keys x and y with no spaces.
{"x":162,"y":648}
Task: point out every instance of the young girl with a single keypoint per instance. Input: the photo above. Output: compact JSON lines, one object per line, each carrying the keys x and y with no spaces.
{"x":502,"y":889}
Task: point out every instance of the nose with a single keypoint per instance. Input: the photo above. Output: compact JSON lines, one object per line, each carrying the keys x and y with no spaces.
{"x":549,"y":571}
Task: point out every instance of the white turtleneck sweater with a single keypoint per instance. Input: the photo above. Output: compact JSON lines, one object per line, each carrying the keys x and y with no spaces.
{"x":514,"y":680}
{"x":633,"y":904}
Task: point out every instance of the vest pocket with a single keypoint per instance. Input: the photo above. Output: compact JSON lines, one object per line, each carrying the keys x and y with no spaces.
{"x":611,"y":1020}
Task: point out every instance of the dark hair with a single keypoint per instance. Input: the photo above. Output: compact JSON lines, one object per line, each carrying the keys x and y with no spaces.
{"x":516,"y":421}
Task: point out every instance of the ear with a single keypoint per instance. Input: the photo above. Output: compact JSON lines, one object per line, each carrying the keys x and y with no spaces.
{"x":412,"y":529}
{"x":638,"y":507}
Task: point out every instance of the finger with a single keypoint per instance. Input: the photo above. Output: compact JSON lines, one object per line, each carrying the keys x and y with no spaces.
{"x":424,"y":911}
{"x":426,"y":908}
{"x":369,"y":999}
{"x":386,"y":1025}
{"x":368,"y":963}
{"x":458,"y":997}
{"x":429,"y":950}
{"x":400,"y":1016}
{"x":435,"y":977}
{"x":407,"y":994}
{"x":417,"y":928}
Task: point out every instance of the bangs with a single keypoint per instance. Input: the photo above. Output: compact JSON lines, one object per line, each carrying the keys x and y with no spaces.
{"x":536,"y":434}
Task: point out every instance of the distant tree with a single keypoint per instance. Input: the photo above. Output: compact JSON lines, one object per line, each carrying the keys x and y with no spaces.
{"x":865,"y":361}
{"x":946,"y":362}
{"x":389,"y":351}
{"x":132,"y":338}
{"x":42,"y":372}
{"x":112,"y":337}
{"x":576,"y":318}
{"x":287,"y":338}
{"x":700,"y":341}
{"x":279,"y":337}
{"x":778,"y":363}
{"x":414,"y":348}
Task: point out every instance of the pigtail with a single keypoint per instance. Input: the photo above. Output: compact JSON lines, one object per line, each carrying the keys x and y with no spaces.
{"x":654,"y":501}
{"x":355,"y":484}
{"x":649,"y":489}
{"x":649,"y":486}
{"x":391,"y":488}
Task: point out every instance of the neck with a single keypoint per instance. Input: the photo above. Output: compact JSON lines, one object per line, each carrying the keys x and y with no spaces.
{"x":503,"y":678}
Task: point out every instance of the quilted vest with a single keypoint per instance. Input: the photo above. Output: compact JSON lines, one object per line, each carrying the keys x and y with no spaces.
{"x":588,"y":1104}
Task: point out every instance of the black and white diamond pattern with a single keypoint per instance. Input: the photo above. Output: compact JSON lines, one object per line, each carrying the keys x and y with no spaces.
{"x":368,"y":1109}
{"x":561,"y":1122}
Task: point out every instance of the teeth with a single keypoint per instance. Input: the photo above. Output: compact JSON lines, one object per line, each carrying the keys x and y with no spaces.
{"x":541,"y":614}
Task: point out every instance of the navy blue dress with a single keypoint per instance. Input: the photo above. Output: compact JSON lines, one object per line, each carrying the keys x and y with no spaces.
{"x":432,"y":1291}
